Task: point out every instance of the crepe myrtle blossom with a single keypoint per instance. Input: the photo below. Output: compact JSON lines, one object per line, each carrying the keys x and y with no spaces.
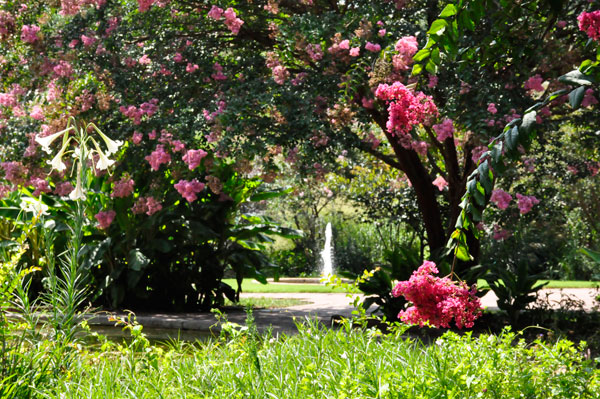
{"x":105,"y":218}
{"x":437,"y":300}
{"x":501,"y":198}
{"x":405,"y":108}
{"x":526,"y":202}
{"x":589,"y":22}
{"x":440,"y":183}
{"x":193,"y":158}
{"x":189,"y":189}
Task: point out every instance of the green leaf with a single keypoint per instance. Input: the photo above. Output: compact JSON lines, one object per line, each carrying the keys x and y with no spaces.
{"x":448,"y":11}
{"x":511,"y":139}
{"x":594,"y":255}
{"x":576,"y":97}
{"x":417,"y":69}
{"x":466,"y":22}
{"x":431,"y":67}
{"x":576,"y":78}
{"x":137,"y":260}
{"x":528,"y":122}
{"x":496,"y":153}
{"x":421,"y":55}
{"x":438,"y":27}
{"x":435,"y":56}
{"x":484,"y":176}
{"x":462,"y":252}
{"x":270,"y":194}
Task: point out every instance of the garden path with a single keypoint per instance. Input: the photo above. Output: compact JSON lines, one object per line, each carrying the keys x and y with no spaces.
{"x":322,"y":307}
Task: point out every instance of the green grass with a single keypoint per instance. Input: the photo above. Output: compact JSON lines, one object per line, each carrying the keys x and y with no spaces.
{"x":319,"y":363}
{"x":267,"y":303}
{"x":250,"y":285}
{"x":557,"y":284}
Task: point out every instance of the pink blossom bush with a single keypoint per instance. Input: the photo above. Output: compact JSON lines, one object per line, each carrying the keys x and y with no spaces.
{"x":147,"y":205}
{"x":501,"y":198}
{"x":406,"y":47}
{"x":29,"y":33}
{"x":405,"y":108}
{"x":444,"y":130}
{"x":158,"y":157}
{"x":372,"y":47}
{"x":526,"y":202}
{"x":192,"y":158}
{"x":437,"y":300}
{"x":589,"y":99}
{"x":105,"y":218}
{"x":189,"y":189}
{"x":589,"y":22}
{"x":492,"y":108}
{"x":440,"y":183}
{"x":123,"y":188}
{"x":63,"y":189}
{"x":534,"y":83}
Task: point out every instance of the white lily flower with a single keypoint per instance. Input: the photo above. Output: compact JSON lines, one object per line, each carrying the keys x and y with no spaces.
{"x":78,"y":192}
{"x":111,"y":145}
{"x":56,"y":162}
{"x":103,"y":162}
{"x":29,"y":204}
{"x":45,"y":142}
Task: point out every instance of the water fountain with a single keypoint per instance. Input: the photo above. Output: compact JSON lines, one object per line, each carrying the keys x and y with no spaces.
{"x":327,"y":254}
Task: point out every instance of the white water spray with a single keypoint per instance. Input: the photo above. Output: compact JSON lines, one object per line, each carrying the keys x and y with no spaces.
{"x":327,"y":254}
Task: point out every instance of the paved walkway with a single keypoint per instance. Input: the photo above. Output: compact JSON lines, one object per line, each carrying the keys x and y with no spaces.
{"x":321,"y":307}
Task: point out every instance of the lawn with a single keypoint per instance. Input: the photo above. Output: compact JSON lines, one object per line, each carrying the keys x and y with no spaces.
{"x":250,"y":285}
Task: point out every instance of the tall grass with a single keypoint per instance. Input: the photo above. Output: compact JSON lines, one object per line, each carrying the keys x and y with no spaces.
{"x":347,"y":363}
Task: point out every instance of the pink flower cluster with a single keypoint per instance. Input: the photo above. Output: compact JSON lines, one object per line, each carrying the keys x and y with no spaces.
{"x":372,"y":47}
{"x":147,"y":205}
{"x":500,"y":233}
{"x":589,"y":22}
{"x":406,"y":48}
{"x":501,"y":198}
{"x":14,"y":172}
{"x":189,"y":189}
{"x":158,"y":157}
{"x":440,"y":183}
{"x":147,"y":108}
{"x":37,"y":113}
{"x":29,"y":33}
{"x":232,"y":22}
{"x":534,"y":83}
{"x":105,"y":218}
{"x":218,"y":74}
{"x":7,"y":23}
{"x":193,"y":158}
{"x":526,"y":202}
{"x":63,"y":69}
{"x":72,"y":7}
{"x":444,"y":130}
{"x":40,"y":185}
{"x":144,"y":5}
{"x":405,"y":108}
{"x":589,"y":99}
{"x":315,"y":52}
{"x":123,"y":188}
{"x":63,"y":189}
{"x":437,"y":300}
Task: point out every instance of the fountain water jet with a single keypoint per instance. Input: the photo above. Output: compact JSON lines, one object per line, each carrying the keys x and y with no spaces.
{"x":327,"y":254}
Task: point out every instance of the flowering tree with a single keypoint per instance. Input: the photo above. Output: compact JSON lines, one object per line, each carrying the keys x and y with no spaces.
{"x":192,"y":85}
